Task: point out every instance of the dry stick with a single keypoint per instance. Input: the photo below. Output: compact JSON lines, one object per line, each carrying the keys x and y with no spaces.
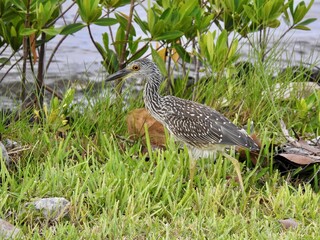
{"x":51,"y":90}
{"x":19,"y":149}
{"x":40,"y":76}
{"x":286,"y":134}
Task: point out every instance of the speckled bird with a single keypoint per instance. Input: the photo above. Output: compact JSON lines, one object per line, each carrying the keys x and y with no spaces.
{"x":200,"y":127}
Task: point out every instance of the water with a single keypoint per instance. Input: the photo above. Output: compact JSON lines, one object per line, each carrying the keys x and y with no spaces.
{"x":78,"y":60}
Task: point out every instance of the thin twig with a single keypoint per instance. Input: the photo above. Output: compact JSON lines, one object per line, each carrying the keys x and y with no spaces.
{"x":8,"y":59}
{"x":287,"y":135}
{"x":10,"y":68}
{"x":138,"y":51}
{"x":40,"y":75}
{"x":59,"y":44}
{"x":280,"y":38}
{"x":61,"y":15}
{"x":97,"y":47}
{"x":2,"y":51}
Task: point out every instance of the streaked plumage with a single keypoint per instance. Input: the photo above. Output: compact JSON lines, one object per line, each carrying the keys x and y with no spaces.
{"x":196,"y":125}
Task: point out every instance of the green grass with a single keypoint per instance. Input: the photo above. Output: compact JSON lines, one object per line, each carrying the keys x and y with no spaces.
{"x":117,"y":194}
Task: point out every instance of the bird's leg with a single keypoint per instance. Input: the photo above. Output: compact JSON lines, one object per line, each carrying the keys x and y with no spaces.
{"x":192,"y":169}
{"x":236,"y":165}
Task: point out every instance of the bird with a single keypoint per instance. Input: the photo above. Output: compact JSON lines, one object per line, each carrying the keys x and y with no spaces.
{"x":202,"y":129}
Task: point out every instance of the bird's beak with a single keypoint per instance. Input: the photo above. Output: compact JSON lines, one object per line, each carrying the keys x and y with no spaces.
{"x":117,"y":75}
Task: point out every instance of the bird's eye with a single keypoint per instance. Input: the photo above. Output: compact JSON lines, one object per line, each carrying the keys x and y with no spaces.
{"x":136,"y":67}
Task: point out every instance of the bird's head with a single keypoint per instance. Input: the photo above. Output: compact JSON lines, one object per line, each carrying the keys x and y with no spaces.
{"x":139,"y":68}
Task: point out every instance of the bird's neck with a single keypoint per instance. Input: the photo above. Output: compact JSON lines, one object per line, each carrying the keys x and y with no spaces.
{"x":151,"y":96}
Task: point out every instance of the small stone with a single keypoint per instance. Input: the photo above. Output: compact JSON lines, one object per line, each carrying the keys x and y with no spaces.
{"x":8,"y":231}
{"x":55,"y":208}
{"x":5,"y":155}
{"x":10,"y":144}
{"x":289,"y":223}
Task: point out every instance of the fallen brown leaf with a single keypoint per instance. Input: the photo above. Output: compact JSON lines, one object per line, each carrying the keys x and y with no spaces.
{"x":33,"y":47}
{"x":137,"y":119}
{"x":299,"y":159}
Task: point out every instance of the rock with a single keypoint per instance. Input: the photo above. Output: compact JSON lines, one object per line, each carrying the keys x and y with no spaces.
{"x":5,"y":155}
{"x":294,"y":89}
{"x":10,"y":144}
{"x":53,"y":208}
{"x":289,"y":223}
{"x":8,"y":231}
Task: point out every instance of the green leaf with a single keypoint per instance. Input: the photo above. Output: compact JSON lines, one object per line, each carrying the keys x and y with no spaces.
{"x":139,"y":53}
{"x":68,"y":98}
{"x":133,"y":45}
{"x":310,"y":5}
{"x":299,"y":12}
{"x":251,"y":13}
{"x":72,"y":28}
{"x":27,"y":31}
{"x":19,"y":4}
{"x":222,"y":41}
{"x":5,"y":60}
{"x":120,"y":38}
{"x":187,"y":8}
{"x":233,"y":48}
{"x":308,"y":21}
{"x":105,"y":21}
{"x":302,"y":27}
{"x":142,"y":24}
{"x":173,"y":35}
{"x":102,"y":52}
{"x":182,"y":53}
{"x":13,"y":32}
{"x":51,"y":31}
{"x":158,"y":29}
{"x":105,"y":40}
{"x":151,"y":16}
{"x":159,"y":61}
{"x":291,"y":7}
{"x":89,"y":10}
{"x":286,"y":17}
{"x":274,"y":24}
{"x":123,"y":21}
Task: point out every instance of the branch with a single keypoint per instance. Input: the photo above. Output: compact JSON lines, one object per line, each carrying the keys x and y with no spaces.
{"x":59,"y":43}
{"x":14,"y":64}
{"x":97,"y":47}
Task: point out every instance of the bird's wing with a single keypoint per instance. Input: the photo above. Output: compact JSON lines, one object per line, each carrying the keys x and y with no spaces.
{"x":201,"y":126}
